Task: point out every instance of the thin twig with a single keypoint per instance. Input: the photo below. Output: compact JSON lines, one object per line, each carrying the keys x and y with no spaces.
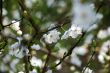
{"x":102,"y":3}
{"x":89,"y":61}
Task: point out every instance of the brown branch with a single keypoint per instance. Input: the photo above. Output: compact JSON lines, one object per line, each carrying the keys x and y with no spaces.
{"x":1,"y":6}
{"x":89,"y":61}
{"x":47,"y":59}
{"x":26,"y":64}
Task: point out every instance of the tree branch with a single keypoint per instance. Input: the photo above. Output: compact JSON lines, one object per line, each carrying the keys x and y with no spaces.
{"x":47,"y":60}
{"x":1,"y":6}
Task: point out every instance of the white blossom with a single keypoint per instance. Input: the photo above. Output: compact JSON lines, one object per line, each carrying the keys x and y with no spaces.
{"x":74,"y":32}
{"x":36,"y":62}
{"x":22,"y":52}
{"x":106,"y":46}
{"x":21,"y":72}
{"x":72,"y":68}
{"x":52,"y":36}
{"x":36,"y":46}
{"x":94,"y":26}
{"x":99,"y":16}
{"x":102,"y":34}
{"x":17,"y":50}
{"x":102,"y":53}
{"x":27,"y":36}
{"x":75,"y":60}
{"x":19,"y":32}
{"x":15,"y":25}
{"x":82,"y":50}
{"x":14,"y":48}
{"x":108,"y":30}
{"x":101,"y":58}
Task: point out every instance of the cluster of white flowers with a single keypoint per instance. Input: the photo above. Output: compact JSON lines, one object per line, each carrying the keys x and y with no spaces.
{"x":36,"y":62}
{"x":52,"y":36}
{"x":102,"y":34}
{"x":103,"y":52}
{"x":73,"y":32}
{"x":16,"y":26}
{"x":84,"y":15}
{"x":17,"y":50}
